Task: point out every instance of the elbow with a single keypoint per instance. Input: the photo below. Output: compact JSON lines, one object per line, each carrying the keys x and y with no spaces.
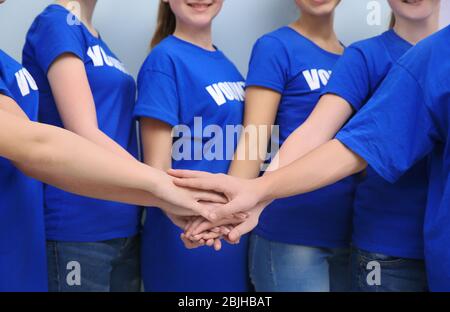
{"x":40,"y":152}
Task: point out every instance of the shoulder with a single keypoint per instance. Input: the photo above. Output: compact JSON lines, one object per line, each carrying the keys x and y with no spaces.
{"x":279,"y":38}
{"x":368,"y":46}
{"x":160,"y":60}
{"x":54,"y":20}
{"x":426,"y":61}
{"x":160,"y":57}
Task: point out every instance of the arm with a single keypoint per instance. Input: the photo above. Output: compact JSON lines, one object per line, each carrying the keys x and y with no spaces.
{"x":63,"y":159}
{"x":157,"y":148}
{"x":325,"y":165}
{"x":157,"y":143}
{"x":75,"y":102}
{"x":327,"y":118}
{"x":261,"y":107}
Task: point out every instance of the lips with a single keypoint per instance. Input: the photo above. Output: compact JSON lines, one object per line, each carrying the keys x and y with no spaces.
{"x":199,"y":6}
{"x":412,"y":2}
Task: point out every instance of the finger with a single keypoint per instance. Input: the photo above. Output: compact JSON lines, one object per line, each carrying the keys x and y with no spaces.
{"x":217,"y":245}
{"x":192,"y":229}
{"x":204,"y":184}
{"x":208,"y":235}
{"x":227,"y":210}
{"x":188,"y":173}
{"x":224,"y":230}
{"x":241,"y":215}
{"x":188,"y":224}
{"x":188,"y":243}
{"x":203,"y":227}
{"x":241,"y":230}
{"x":212,"y":197}
{"x":210,"y":242}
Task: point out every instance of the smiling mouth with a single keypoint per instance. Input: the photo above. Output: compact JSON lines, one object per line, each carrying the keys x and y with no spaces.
{"x":200,"y":6}
{"x":413,"y":2}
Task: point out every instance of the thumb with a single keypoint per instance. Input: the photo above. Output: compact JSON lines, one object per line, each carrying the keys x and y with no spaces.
{"x":238,"y":231}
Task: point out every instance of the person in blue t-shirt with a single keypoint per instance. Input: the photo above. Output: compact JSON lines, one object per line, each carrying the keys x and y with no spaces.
{"x":188,"y":86}
{"x":289,"y":68}
{"x":404,"y":121}
{"x":85,"y":89}
{"x":387,"y":222}
{"x":387,"y":219}
{"x":32,"y":150}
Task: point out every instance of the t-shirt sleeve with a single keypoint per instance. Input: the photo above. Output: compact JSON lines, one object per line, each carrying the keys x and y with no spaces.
{"x":395,"y":129}
{"x":269,"y":65}
{"x":54,"y":36}
{"x":157,"y":96}
{"x":350,"y":78}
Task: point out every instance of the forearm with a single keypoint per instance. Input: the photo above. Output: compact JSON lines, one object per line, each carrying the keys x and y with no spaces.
{"x":99,"y":138}
{"x":251,"y":151}
{"x":325,"y":165}
{"x":329,"y":115}
{"x":63,"y":159}
{"x":302,"y":141}
{"x":245,"y":165}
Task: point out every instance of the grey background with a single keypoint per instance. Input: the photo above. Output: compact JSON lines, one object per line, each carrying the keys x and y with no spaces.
{"x":127,"y":25}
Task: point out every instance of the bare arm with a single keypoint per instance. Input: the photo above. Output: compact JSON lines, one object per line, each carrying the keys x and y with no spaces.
{"x":261,"y":107}
{"x":61,"y":158}
{"x":157,"y":146}
{"x":75,"y":103}
{"x":323,"y":166}
{"x":157,"y":143}
{"x":327,"y":118}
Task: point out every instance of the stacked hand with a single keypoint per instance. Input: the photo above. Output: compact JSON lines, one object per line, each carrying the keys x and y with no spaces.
{"x":223,"y":220}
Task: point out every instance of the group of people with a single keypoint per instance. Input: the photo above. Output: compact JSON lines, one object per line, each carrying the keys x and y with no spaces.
{"x":361,"y":177}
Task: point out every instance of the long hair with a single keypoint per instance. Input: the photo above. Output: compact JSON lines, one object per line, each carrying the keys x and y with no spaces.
{"x":165,"y":24}
{"x":392,"y":22}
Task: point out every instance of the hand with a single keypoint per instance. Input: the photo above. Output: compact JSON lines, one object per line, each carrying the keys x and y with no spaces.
{"x":242,"y":195}
{"x":185,"y":202}
{"x":232,"y":232}
{"x":212,"y":235}
{"x":209,"y":238}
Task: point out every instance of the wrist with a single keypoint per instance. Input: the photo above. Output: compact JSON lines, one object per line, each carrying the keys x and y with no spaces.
{"x":155,"y":183}
{"x":264,"y":189}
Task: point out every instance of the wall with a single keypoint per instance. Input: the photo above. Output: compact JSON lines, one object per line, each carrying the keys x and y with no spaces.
{"x":127,"y":26}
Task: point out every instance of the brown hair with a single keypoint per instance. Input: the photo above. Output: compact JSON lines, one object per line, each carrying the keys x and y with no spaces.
{"x":392,"y":22}
{"x":165,"y":24}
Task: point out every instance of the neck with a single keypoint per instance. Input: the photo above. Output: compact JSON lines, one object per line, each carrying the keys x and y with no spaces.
{"x":414,"y":31}
{"x":200,"y":37}
{"x":85,"y":12}
{"x":316,"y":27}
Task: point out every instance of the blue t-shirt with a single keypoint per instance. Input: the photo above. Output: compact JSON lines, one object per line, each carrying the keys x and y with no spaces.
{"x":23,"y":263}
{"x":200,"y":93}
{"x":71,"y":217}
{"x":406,"y":120}
{"x":298,"y":69}
{"x":387,"y":218}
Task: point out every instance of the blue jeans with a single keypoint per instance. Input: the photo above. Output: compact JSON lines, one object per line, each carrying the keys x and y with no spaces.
{"x":279,"y":267}
{"x":108,"y":266}
{"x":373,"y":272}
